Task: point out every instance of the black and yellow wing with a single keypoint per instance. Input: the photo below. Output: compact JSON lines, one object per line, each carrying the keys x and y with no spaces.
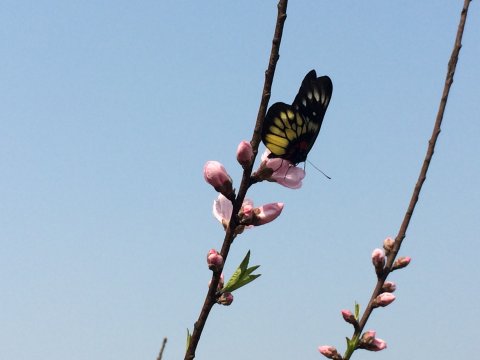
{"x":289,"y":131}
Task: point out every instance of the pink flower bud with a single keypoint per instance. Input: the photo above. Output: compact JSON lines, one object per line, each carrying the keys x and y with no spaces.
{"x":245,"y":154}
{"x":368,"y":341}
{"x":378,"y":260}
{"x":368,"y":337}
{"x":329,"y":352}
{"x":214,"y":260}
{"x":384,"y":299}
{"x":389,"y":286}
{"x":216,"y":175}
{"x":267,"y":213}
{"x":348,"y":317}
{"x":225,"y":299}
{"x":388,"y":244}
{"x":401,"y":262}
{"x":377,"y":345}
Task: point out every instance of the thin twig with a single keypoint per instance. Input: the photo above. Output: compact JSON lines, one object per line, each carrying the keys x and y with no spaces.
{"x":210,"y":299}
{"x":160,"y":354}
{"x":421,"y":178}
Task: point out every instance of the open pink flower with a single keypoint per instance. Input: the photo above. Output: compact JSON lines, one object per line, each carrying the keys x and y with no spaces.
{"x":249,"y":215}
{"x":222,"y":209}
{"x":281,"y":171}
{"x":266,"y":213}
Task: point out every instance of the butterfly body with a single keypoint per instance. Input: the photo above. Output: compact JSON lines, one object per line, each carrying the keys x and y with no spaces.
{"x":289,"y":131}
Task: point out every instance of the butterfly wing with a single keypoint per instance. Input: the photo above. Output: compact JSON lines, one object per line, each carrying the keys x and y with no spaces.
{"x":290,"y":131}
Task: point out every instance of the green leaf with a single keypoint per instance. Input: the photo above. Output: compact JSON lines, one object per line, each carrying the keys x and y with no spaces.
{"x":251,"y":269}
{"x":357,"y":311}
{"x":244,"y":263}
{"x":242,"y":276}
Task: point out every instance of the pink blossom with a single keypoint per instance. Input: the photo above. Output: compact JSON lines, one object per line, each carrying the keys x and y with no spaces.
{"x":245,"y":154}
{"x":249,"y":216}
{"x":214,"y":260}
{"x":279,"y":170}
{"x":266,"y":213}
{"x":328,"y":351}
{"x":222,"y":210}
{"x":384,"y":299}
{"x":216,"y":175}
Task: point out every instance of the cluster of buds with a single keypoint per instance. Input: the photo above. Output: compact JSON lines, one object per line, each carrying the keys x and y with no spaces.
{"x":368,"y":341}
{"x":271,"y":169}
{"x":379,"y":257}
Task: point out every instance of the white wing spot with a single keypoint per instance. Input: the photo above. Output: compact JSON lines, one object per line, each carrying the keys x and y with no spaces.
{"x":324,"y":98}
{"x":316,"y":94}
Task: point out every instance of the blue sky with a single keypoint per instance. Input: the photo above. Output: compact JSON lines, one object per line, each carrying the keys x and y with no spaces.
{"x":109,"y":111}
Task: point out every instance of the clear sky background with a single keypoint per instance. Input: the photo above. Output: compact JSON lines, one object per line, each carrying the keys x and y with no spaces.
{"x":109,"y":109}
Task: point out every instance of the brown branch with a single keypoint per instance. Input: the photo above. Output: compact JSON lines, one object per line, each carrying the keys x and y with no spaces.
{"x":160,"y":354}
{"x":421,"y":178}
{"x":210,"y":299}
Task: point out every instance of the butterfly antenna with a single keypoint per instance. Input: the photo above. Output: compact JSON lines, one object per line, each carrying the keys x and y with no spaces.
{"x":328,"y":177}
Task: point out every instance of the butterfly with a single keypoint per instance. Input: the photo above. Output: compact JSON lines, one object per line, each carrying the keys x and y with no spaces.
{"x":289,"y":131}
